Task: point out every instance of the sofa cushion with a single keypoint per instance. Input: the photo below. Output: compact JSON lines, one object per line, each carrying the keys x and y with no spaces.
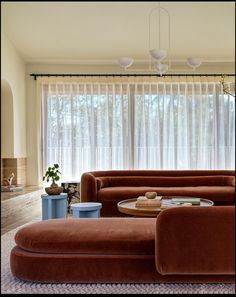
{"x":90,"y":236}
{"x":216,"y":194}
{"x":164,"y":181}
{"x":233,"y":181}
{"x":200,"y":240}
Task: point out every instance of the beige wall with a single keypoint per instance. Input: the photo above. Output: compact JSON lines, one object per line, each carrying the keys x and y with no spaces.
{"x":13,"y":74}
{"x":7,"y":121}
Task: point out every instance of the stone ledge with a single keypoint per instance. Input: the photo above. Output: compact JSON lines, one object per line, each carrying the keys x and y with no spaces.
{"x":26,"y":190}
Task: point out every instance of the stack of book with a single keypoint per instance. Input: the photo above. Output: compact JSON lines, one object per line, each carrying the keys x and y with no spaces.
{"x":143,"y":201}
{"x":179,"y":200}
{"x":188,"y":201}
{"x":168,"y":205}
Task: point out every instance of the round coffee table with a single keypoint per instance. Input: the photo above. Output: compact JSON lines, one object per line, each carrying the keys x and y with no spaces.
{"x":128,"y":206}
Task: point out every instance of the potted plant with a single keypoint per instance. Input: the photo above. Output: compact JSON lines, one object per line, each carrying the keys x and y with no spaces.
{"x":52,"y":174}
{"x":225,"y":87}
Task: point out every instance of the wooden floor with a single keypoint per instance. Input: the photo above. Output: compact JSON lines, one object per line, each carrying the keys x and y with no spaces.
{"x":37,"y":216}
{"x":19,"y":208}
{"x":17,"y":223}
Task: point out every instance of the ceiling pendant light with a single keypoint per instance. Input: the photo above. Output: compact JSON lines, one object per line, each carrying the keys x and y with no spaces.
{"x":125,"y":61}
{"x":161,"y":68}
{"x":158,"y":54}
{"x":194,"y":62}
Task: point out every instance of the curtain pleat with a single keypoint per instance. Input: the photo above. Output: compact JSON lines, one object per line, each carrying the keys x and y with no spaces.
{"x":136,"y":123}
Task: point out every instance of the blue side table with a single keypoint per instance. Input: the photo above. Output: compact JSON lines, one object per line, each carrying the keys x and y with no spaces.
{"x":54,"y":206}
{"x":86,"y":209}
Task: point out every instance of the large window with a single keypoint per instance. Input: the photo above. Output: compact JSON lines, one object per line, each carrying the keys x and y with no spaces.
{"x":143,"y":125}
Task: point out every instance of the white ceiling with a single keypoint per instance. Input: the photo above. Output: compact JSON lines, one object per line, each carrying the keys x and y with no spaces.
{"x":95,"y":32}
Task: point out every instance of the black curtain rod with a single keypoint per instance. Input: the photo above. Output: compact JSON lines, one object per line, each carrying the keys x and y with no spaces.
{"x":206,"y":74}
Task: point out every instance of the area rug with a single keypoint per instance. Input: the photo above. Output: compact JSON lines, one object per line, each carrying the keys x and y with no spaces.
{"x":11,"y":285}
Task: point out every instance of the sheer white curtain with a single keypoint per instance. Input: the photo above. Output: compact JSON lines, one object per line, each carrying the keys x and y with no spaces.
{"x":85,"y":126}
{"x":136,"y":123}
{"x":184,"y":125}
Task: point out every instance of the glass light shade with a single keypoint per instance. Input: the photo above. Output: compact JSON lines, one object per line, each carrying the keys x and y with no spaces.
{"x":158,"y":54}
{"x":125,"y":61}
{"x":161,"y":68}
{"x":194,"y":62}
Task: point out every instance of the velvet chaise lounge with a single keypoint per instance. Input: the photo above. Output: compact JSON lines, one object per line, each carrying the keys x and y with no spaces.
{"x":110,"y":187}
{"x":183,"y":244}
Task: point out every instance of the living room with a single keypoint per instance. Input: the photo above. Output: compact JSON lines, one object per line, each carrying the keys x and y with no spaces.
{"x":119,"y":104}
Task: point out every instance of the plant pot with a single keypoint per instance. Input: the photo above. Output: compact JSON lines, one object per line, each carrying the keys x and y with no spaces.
{"x":54,"y":190}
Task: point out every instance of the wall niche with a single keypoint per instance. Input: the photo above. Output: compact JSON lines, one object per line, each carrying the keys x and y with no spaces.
{"x":9,"y":164}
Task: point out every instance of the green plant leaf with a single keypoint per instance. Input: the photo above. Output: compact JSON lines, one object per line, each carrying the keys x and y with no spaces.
{"x":52,"y":173}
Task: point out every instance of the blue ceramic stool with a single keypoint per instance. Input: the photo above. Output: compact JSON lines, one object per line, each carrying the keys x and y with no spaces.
{"x":54,"y":206}
{"x":86,"y":210}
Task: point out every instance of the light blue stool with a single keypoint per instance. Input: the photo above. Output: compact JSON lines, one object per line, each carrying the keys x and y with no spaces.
{"x":54,"y":206}
{"x":86,"y":209}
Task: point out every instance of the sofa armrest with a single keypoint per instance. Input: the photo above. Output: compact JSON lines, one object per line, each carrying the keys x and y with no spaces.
{"x":233,"y":181}
{"x":196,"y":240}
{"x":88,"y":188}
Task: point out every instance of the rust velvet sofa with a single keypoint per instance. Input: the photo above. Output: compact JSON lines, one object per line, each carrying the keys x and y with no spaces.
{"x":181,"y":245}
{"x":110,"y":187}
